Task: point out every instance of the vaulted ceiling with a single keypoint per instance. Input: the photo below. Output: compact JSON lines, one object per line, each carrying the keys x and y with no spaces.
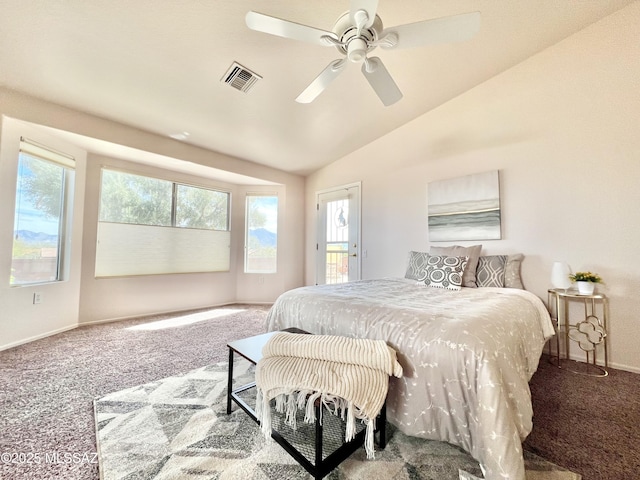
{"x":158,"y":65}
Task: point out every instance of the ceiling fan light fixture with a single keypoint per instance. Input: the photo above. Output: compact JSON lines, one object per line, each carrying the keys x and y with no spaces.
{"x":357,"y":50}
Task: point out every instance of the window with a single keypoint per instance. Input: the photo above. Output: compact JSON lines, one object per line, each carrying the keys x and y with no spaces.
{"x":201,"y":208}
{"x":261,"y":242}
{"x":127,"y":198}
{"x":44,"y":181}
{"x":151,"y":226}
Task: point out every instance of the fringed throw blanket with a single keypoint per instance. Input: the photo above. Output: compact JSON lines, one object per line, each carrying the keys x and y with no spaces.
{"x":350,"y":376}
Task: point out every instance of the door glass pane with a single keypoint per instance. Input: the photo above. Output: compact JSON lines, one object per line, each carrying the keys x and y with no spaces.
{"x":38,"y":221}
{"x":337,"y":244}
{"x":261,"y":242}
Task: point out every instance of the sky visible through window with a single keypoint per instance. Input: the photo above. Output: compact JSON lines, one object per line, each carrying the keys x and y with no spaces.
{"x":262,"y":234}
{"x":269,"y":207}
{"x":28,"y":217}
{"x":37,"y":221}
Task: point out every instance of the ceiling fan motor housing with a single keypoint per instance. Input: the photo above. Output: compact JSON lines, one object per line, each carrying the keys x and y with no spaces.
{"x":355,"y":46}
{"x":357,"y":49}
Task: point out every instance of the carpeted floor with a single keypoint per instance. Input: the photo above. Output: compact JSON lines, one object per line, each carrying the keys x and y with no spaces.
{"x":47,"y":388}
{"x":178,"y":428}
{"x":588,"y":425}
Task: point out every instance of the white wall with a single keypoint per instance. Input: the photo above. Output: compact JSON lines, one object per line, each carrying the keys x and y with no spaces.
{"x":86,"y":299}
{"x":119,"y":297}
{"x":563,"y":129}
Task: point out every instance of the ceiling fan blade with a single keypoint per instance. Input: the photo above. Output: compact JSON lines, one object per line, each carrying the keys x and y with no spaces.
{"x":284,"y":28}
{"x":322,"y":81}
{"x":381,"y":81}
{"x":368,"y":6}
{"x":456,"y":28}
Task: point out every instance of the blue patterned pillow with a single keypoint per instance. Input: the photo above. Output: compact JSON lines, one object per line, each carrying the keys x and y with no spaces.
{"x":445,"y":272}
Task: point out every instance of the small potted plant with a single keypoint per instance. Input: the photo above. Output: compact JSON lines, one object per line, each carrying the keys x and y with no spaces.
{"x":586,"y":282}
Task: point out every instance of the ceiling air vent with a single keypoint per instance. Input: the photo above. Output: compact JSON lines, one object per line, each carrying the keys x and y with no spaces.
{"x":240,"y":77}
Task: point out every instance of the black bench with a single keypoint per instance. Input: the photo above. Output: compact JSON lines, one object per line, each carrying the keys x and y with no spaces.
{"x":320,"y":464}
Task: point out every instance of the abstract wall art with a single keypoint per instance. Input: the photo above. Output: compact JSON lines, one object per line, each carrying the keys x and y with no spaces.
{"x":465,"y":208}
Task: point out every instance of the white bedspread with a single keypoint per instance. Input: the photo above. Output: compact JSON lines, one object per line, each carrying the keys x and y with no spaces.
{"x":467,"y":357}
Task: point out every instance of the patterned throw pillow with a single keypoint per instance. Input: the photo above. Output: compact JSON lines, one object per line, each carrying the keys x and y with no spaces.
{"x":491,"y":270}
{"x":500,"y":271}
{"x":473,"y":252}
{"x":417,"y":266}
{"x":445,"y":272}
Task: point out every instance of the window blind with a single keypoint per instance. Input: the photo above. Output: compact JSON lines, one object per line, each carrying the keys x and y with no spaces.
{"x":30,"y":147}
{"x":128,"y":249}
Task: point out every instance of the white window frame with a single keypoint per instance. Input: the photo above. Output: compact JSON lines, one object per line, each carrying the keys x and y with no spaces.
{"x":67,"y":163}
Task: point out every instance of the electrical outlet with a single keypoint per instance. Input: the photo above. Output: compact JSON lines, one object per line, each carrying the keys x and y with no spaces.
{"x":37,"y":298}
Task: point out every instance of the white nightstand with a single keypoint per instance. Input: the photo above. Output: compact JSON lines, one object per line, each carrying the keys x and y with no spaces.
{"x":590,"y":334}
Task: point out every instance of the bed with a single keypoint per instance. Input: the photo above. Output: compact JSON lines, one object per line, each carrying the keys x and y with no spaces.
{"x":467,"y":357}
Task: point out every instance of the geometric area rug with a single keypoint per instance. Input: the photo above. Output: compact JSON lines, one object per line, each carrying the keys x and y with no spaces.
{"x":178,"y":428}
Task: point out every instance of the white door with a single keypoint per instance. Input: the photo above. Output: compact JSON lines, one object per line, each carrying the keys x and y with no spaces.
{"x":338,"y":244}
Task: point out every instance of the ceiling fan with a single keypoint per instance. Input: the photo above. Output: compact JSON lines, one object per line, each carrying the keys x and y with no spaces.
{"x":358,"y":32}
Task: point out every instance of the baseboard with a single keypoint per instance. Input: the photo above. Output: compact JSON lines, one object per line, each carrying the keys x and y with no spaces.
{"x":37,"y":337}
{"x":153,"y":314}
{"x":579,"y":358}
{"x":248,"y":302}
{"x":173,"y":312}
{"x":626,"y":368}
{"x":117,"y":319}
